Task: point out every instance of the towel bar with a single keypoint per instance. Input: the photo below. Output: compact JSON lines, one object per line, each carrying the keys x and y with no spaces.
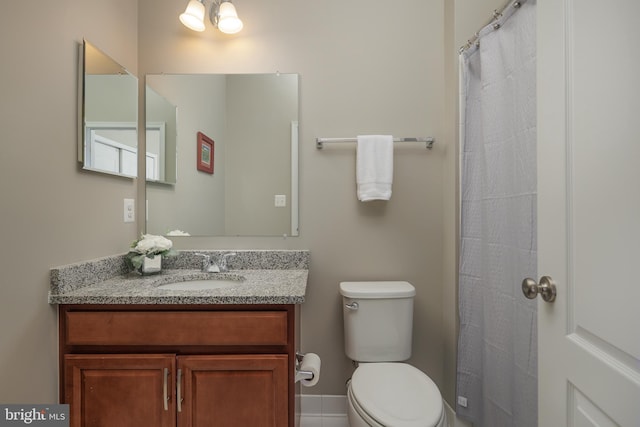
{"x":428,"y":140}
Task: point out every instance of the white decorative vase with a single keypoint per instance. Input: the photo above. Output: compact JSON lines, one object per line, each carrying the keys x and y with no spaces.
{"x":151,"y":265}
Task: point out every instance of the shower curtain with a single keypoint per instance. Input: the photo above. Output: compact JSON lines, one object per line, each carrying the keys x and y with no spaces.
{"x":497,"y":343}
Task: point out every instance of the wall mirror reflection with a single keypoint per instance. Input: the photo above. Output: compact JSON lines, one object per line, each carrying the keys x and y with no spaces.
{"x":108,"y":114}
{"x":251,"y":188}
{"x":161,"y":143}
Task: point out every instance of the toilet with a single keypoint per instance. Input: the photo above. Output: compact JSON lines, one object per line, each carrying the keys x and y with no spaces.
{"x":383,"y":391}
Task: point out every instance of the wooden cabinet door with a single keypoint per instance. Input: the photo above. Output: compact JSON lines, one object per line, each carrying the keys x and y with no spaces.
{"x":120,"y":390}
{"x":233,"y":390}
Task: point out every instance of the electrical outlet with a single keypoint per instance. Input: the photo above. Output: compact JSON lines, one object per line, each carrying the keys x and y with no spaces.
{"x":129,"y":210}
{"x":280,"y":200}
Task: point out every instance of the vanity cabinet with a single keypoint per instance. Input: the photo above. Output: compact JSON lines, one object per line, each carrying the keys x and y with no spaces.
{"x":218,"y":365}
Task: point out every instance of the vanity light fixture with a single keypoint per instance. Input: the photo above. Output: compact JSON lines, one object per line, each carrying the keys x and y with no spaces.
{"x":222,"y":15}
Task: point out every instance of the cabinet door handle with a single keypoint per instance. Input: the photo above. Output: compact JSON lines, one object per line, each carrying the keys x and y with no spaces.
{"x":165,"y":389}
{"x":179,"y":392}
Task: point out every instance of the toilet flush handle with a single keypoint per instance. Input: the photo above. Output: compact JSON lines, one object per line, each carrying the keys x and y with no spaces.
{"x":352,"y":306}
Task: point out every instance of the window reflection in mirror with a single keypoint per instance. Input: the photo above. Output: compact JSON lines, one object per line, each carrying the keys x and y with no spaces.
{"x":108,"y":114}
{"x":253,"y":121}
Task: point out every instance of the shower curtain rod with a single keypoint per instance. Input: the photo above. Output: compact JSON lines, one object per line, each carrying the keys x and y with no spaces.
{"x":496,"y":21}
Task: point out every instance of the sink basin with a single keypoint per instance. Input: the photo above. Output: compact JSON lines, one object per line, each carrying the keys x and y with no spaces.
{"x":199,"y":285}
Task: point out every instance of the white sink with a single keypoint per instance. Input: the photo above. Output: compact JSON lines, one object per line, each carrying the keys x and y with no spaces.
{"x":199,"y":285}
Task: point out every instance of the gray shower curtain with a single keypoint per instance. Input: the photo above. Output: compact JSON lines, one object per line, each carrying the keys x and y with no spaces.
{"x":497,"y":343}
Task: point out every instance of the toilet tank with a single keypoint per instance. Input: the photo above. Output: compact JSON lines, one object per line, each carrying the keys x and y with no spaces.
{"x":378,"y":320}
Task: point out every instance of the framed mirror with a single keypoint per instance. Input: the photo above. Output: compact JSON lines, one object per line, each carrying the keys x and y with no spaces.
{"x":108,"y":114}
{"x":236,"y":156}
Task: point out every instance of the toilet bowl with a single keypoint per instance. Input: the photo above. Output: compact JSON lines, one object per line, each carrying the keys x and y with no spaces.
{"x":393,"y":395}
{"x":383,"y":390}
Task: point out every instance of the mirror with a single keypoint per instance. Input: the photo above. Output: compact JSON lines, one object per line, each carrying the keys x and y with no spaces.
{"x":161,"y":123}
{"x":237,"y":156}
{"x":108,"y":114}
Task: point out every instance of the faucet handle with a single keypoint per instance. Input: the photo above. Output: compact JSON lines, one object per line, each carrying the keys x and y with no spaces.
{"x":223,"y":260}
{"x":205,"y":256}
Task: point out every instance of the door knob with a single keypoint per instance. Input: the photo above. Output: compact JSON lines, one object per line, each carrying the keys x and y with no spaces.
{"x":546,"y":288}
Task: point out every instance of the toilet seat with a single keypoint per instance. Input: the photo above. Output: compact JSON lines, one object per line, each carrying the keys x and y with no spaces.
{"x":395,"y":394}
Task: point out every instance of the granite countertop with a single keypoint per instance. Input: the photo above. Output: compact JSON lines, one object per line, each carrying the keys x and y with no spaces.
{"x":264,"y":277}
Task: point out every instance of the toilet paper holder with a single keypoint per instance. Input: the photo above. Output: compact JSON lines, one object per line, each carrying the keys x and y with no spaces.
{"x":301,"y":374}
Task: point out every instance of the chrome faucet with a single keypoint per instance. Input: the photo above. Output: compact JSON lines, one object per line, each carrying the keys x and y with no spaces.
{"x":223,"y":261}
{"x":209,"y":266}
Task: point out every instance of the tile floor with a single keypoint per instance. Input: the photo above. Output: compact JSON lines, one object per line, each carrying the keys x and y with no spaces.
{"x":331,"y":411}
{"x":323,"y":411}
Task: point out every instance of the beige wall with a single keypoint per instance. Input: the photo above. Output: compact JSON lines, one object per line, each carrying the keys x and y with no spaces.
{"x":362,"y":71}
{"x":51,"y":213}
{"x":450,"y":217}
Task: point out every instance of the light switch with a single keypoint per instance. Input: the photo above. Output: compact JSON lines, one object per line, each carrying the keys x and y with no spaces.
{"x":280,"y":200}
{"x":129,"y":210}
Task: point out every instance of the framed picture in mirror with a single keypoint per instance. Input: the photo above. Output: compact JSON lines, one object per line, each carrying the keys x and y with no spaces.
{"x":205,"y":153}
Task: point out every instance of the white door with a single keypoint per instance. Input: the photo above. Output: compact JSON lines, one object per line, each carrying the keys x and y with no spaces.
{"x":589,"y":212}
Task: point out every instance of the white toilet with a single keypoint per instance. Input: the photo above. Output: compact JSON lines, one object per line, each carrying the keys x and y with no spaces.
{"x":378,"y":327}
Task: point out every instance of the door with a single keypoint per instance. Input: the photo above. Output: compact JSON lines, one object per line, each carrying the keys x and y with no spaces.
{"x":233,"y":390}
{"x":589,"y":212}
{"x":120,"y":390}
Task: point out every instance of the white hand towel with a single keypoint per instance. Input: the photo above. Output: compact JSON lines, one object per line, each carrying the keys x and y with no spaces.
{"x":374,"y":167}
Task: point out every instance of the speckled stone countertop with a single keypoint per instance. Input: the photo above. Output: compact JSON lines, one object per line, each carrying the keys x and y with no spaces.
{"x":264,"y":277}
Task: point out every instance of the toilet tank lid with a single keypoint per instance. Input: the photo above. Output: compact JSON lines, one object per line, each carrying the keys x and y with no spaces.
{"x":378,"y":289}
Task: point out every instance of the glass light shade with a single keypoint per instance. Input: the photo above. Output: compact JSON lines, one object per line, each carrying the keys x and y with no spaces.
{"x":228,"y":21}
{"x":193,"y":16}
{"x":230,"y":25}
